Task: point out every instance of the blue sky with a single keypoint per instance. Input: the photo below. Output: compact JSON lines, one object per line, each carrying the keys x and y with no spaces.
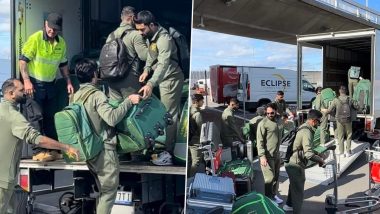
{"x":210,"y":48}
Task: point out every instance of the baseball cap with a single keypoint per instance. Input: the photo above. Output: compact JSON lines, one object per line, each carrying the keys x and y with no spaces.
{"x":54,"y":21}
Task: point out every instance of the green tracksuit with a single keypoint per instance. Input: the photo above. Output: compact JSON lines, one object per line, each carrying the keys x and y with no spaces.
{"x":268,"y":139}
{"x":343,"y":128}
{"x":282,"y":107}
{"x":137,"y":51}
{"x":197,"y":163}
{"x":296,"y":167}
{"x":324,"y":120}
{"x":104,"y":166}
{"x":13,"y":130}
{"x":229,"y":129}
{"x":162,"y":61}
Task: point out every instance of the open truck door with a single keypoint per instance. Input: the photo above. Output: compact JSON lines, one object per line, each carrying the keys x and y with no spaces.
{"x":340,"y":51}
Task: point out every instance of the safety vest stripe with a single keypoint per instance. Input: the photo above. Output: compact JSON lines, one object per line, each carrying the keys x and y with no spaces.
{"x":42,"y":60}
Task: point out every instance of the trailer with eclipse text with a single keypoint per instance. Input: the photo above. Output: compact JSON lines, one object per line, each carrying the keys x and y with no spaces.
{"x":144,"y":187}
{"x":259,"y":85}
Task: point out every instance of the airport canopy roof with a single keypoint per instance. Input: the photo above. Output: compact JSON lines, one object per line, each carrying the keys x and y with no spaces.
{"x":282,"y":20}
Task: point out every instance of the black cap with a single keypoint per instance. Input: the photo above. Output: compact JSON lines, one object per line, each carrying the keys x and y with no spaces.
{"x":54,"y":21}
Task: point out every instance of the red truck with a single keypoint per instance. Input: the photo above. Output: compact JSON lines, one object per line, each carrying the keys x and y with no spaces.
{"x":224,"y":82}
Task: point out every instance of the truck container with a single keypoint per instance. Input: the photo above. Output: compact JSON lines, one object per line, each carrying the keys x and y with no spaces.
{"x":224,"y":82}
{"x":340,"y":51}
{"x":144,"y":187}
{"x":259,"y":85}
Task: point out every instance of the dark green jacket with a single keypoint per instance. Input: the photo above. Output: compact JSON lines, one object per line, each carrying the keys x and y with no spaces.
{"x":100,"y":112}
{"x":268,"y":137}
{"x":162,"y":57}
{"x":14,"y":128}
{"x":303,"y":142}
{"x":197,"y":121}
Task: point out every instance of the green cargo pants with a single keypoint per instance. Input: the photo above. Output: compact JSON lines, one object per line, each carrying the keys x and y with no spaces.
{"x":323,"y":127}
{"x":106,"y":169}
{"x":5,"y":200}
{"x":344,"y":130}
{"x":271,"y":173}
{"x":197,"y":162}
{"x":296,"y":186}
{"x":170,"y":94}
{"x":122,"y":89}
{"x":351,"y":86}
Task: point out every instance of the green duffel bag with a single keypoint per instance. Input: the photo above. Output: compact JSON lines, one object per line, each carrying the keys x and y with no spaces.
{"x":254,"y":202}
{"x":75,"y":129}
{"x":180,"y":146}
{"x":327,"y":96}
{"x":142,"y":124}
{"x":240,"y":168}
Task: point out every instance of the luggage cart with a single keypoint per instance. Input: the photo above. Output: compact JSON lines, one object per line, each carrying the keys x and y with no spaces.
{"x":364,"y":204}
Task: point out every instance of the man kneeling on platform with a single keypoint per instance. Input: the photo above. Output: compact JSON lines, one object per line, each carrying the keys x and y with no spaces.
{"x":105,"y":166}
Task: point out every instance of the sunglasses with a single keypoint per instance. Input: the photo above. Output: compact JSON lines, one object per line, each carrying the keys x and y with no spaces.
{"x":270,"y":113}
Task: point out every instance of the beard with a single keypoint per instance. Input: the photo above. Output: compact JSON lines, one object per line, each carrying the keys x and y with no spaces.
{"x":21,"y":99}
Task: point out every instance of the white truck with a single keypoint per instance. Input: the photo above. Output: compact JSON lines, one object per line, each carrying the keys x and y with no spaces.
{"x":144,"y":188}
{"x":341,"y":50}
{"x":259,"y":85}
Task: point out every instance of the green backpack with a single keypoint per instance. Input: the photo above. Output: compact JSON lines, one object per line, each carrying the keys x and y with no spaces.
{"x":180,"y":146}
{"x":142,"y":125}
{"x":254,"y":202}
{"x":75,"y":129}
{"x":327,"y":96}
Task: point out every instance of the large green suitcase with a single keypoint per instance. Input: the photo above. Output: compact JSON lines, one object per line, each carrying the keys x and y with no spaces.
{"x":180,"y":146}
{"x":254,"y":202}
{"x":327,"y":96}
{"x":142,"y":124}
{"x":362,"y":95}
{"x":75,"y":129}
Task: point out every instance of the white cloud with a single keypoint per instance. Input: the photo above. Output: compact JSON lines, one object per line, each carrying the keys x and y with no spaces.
{"x":5,"y":8}
{"x":5,"y":27}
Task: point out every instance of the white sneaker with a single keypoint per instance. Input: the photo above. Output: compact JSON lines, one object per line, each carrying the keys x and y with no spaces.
{"x":278,"y":200}
{"x":348,"y":154}
{"x":287,"y":208}
{"x":163,"y":159}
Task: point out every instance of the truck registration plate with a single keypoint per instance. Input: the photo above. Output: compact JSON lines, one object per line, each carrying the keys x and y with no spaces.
{"x":123,"y":197}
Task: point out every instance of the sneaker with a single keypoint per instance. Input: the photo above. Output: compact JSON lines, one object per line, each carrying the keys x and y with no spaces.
{"x":278,"y":200}
{"x":348,"y":154}
{"x":163,"y":159}
{"x":43,"y":157}
{"x":287,"y":208}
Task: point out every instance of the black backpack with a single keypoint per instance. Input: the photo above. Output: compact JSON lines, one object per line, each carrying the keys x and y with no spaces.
{"x":286,"y":146}
{"x":113,"y":59}
{"x":183,"y":52}
{"x":343,"y":114}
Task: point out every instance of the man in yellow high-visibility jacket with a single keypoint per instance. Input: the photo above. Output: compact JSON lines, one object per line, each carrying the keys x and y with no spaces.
{"x":42,"y":55}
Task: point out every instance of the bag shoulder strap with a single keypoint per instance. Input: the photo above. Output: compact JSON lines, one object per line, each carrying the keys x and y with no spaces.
{"x":125,"y":33}
{"x":83,"y":97}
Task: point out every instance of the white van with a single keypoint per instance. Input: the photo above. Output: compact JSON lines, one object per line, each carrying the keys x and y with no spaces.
{"x":262,"y":83}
